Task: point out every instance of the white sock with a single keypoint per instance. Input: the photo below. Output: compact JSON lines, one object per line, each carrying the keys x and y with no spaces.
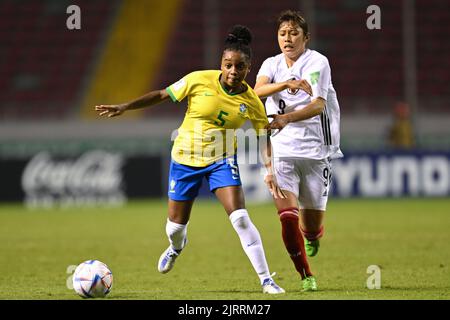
{"x":250,"y":241}
{"x":177,"y":234}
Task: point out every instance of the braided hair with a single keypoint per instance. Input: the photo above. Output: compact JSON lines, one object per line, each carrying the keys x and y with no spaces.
{"x":239,"y":39}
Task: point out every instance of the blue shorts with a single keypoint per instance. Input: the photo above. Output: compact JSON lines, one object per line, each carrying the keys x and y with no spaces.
{"x":185,"y":181}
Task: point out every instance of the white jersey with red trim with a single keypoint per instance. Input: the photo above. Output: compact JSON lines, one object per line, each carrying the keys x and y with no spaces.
{"x":314,"y":138}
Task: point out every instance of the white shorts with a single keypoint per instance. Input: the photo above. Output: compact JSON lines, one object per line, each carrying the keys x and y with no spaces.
{"x":308,"y":179}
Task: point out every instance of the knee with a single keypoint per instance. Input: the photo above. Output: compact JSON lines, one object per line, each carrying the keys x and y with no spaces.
{"x":240,"y":219}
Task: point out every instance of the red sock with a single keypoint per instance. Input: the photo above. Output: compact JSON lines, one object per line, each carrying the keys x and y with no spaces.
{"x":313,"y":235}
{"x":293,"y":240}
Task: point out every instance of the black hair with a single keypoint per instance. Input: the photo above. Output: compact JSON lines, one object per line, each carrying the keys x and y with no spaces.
{"x":238,"y":39}
{"x":296,"y":17}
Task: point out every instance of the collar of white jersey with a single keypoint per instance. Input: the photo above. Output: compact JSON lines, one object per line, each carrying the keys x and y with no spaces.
{"x":300,"y":59}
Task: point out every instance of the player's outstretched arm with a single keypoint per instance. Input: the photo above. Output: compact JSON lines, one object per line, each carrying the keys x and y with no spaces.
{"x":151,"y":98}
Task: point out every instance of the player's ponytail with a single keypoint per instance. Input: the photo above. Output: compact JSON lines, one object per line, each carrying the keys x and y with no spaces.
{"x":238,"y":39}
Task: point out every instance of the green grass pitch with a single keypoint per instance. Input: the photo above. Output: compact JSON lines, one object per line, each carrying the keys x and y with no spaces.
{"x":408,"y":239}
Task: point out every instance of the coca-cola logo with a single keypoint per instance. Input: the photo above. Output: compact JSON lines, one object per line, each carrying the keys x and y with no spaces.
{"x":93,"y":174}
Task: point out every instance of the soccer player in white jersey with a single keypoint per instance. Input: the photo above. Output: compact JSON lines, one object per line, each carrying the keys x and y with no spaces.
{"x":305,"y":111}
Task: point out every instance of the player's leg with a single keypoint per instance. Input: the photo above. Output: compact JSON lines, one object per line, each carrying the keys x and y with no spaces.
{"x":311,"y":224}
{"x":177,"y":221}
{"x":314,"y":189}
{"x":288,"y":180}
{"x":184,"y":183}
{"x":290,"y":231}
{"x":311,"y":220}
{"x":225,"y":183}
{"x":176,"y":230}
{"x":232,"y":199}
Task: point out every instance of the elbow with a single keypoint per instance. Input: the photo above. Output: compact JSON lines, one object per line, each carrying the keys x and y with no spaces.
{"x":320,"y":109}
{"x":259,"y":93}
{"x":319,"y":106}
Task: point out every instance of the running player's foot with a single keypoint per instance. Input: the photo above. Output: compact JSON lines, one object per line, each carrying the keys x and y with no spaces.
{"x":309,"y":284}
{"x":167,"y":260}
{"x":311,"y":247}
{"x":269,"y":286}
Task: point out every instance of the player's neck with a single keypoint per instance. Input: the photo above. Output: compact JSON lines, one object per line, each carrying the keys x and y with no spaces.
{"x":232,"y":90}
{"x":291,"y":60}
{"x":235,"y":90}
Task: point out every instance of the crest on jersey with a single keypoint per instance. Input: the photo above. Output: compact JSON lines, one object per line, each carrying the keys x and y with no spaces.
{"x":243,"y":109}
{"x":293,"y":91}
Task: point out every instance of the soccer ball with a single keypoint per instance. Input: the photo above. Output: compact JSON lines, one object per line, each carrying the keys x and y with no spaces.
{"x":92,"y":279}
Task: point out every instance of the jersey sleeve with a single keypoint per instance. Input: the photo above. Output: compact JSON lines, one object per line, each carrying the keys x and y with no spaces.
{"x":266,"y":69}
{"x":319,"y":76}
{"x":258,"y":117}
{"x":181,"y":89}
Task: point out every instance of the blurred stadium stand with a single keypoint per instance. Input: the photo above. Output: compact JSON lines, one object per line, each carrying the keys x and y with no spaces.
{"x":51,"y":75}
{"x":43,"y":66}
{"x":433,"y":55}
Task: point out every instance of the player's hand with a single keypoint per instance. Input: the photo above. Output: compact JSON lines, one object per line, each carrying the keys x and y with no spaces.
{"x":110,"y":110}
{"x":300,"y":84}
{"x":279,"y":122}
{"x":274,"y":189}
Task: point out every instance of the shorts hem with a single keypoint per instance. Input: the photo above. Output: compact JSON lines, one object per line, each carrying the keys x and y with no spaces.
{"x":225,"y":185}
{"x":175,"y":198}
{"x":310,"y":208}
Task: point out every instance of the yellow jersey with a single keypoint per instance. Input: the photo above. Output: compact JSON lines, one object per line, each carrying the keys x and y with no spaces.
{"x":207,"y":133}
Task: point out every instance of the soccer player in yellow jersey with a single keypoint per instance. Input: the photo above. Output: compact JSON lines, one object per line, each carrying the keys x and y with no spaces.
{"x":218,"y":101}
